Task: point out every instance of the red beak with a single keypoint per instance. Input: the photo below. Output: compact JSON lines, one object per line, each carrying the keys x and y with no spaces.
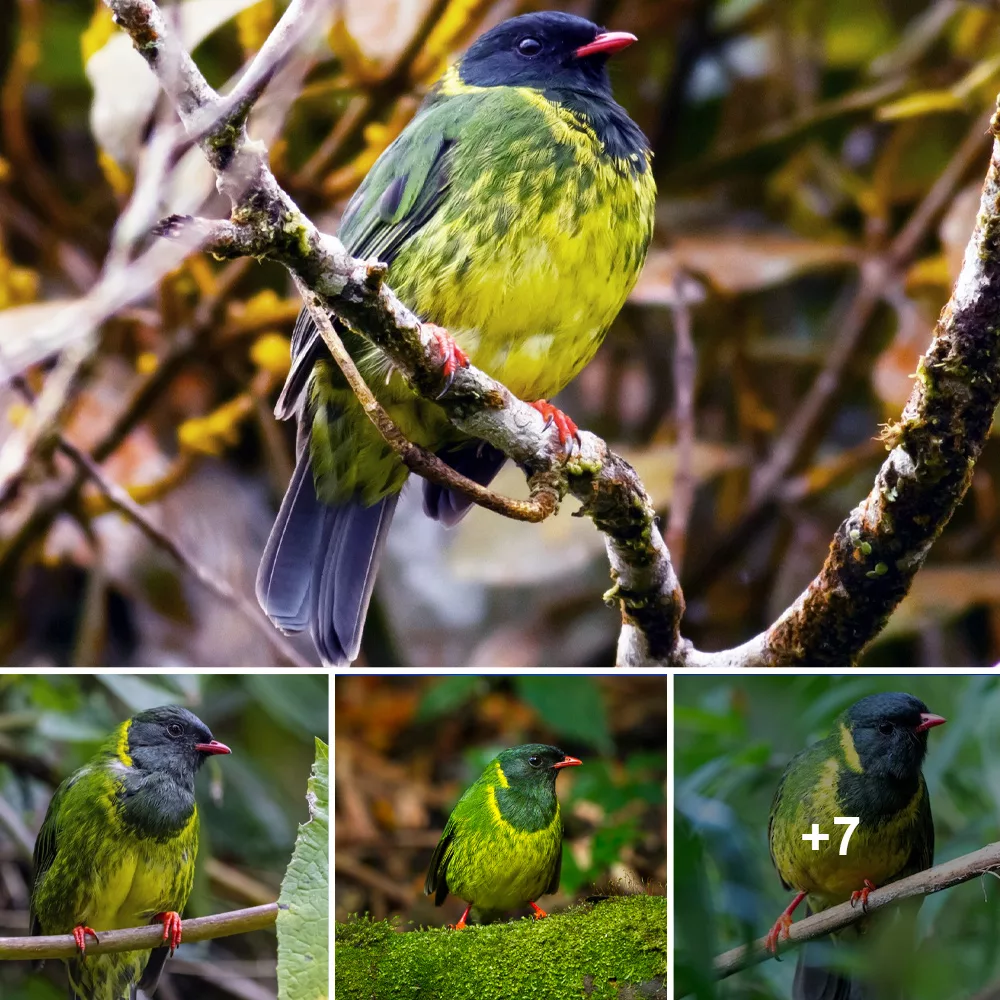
{"x":928,"y":721}
{"x":606,"y":42}
{"x":216,"y":747}
{"x":570,"y":762}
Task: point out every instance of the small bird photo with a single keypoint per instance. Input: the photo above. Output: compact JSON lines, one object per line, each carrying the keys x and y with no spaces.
{"x":163,"y":836}
{"x":500,"y":836}
{"x":832,"y":837}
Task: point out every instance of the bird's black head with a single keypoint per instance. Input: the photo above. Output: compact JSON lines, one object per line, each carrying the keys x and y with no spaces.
{"x":548,"y":51}
{"x":888,"y":733}
{"x":169,"y":738}
{"x":533,"y":764}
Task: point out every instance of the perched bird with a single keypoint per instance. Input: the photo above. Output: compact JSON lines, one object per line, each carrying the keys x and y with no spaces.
{"x":869,"y":768}
{"x":117,"y":848}
{"x":515,"y":211}
{"x":502,"y":844}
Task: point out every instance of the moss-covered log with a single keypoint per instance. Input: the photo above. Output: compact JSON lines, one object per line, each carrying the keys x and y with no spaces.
{"x":612,"y":950}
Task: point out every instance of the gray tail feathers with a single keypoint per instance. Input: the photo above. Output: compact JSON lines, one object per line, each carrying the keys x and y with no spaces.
{"x":319,"y":566}
{"x":477,"y":461}
{"x":815,"y":982}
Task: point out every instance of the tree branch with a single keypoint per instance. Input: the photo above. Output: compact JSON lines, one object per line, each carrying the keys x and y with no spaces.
{"x":218,"y":925}
{"x":969,"y":866}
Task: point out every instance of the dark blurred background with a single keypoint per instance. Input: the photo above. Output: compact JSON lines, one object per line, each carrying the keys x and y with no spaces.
{"x":733,"y":739}
{"x":250,"y":805}
{"x":818,"y":166}
{"x":407,"y":749}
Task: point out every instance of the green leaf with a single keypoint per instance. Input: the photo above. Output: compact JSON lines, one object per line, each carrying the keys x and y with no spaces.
{"x":304,"y":903}
{"x":448,"y":694}
{"x":570,"y":706}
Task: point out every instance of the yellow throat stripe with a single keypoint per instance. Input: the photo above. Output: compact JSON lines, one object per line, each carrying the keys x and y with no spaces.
{"x":122,"y":747}
{"x":850,"y":751}
{"x":501,"y":777}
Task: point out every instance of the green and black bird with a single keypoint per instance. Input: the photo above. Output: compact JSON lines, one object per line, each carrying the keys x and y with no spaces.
{"x":502,"y":844}
{"x":117,"y":848}
{"x":868,"y":767}
{"x":514,"y":211}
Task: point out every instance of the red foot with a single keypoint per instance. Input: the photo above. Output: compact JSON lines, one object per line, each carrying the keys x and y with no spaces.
{"x":568,"y":431}
{"x":172,"y":929}
{"x":863,"y":894}
{"x":80,"y":934}
{"x":782,"y":925}
{"x":539,"y":912}
{"x":452,"y":356}
{"x":461,"y":925}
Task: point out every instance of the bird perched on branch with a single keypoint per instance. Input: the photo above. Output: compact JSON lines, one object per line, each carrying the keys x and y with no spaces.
{"x":868,"y":768}
{"x":514,"y":213}
{"x":117,"y":849}
{"x":502,"y":844}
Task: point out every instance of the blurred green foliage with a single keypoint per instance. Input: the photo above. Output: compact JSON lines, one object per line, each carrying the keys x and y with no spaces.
{"x":250,"y":803}
{"x":734,"y":736}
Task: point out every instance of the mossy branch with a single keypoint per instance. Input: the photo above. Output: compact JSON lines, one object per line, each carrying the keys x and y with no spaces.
{"x":611,"y":950}
{"x":253,"y":918}
{"x":982,"y":862}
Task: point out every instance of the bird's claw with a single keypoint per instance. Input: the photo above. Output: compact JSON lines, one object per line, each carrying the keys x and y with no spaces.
{"x":862,"y":895}
{"x":452,"y":356}
{"x":172,"y":928}
{"x":782,"y":927}
{"x":539,"y":912}
{"x":569,"y":433}
{"x":80,"y":934}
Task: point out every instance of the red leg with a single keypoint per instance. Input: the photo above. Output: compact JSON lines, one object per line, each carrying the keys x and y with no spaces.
{"x":80,"y":934}
{"x":539,"y":912}
{"x":171,"y":928}
{"x":568,"y":431}
{"x":782,"y":925}
{"x":863,"y":894}
{"x":452,"y":356}
{"x":461,"y":925}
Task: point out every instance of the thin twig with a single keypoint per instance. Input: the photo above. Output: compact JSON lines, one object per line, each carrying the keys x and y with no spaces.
{"x":218,"y":925}
{"x":119,"y":498}
{"x":876,"y":274}
{"x":685,"y":377}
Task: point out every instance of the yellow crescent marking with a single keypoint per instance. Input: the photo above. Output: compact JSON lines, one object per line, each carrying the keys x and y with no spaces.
{"x":122,"y":747}
{"x":501,"y":777}
{"x":850,"y":751}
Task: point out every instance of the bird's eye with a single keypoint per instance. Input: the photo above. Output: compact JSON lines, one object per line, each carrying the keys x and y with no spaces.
{"x":174,"y":730}
{"x":886,"y":728}
{"x":529,"y":46}
{"x":534,"y":761}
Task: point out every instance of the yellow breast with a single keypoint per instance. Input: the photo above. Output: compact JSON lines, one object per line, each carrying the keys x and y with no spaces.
{"x":536,"y":249}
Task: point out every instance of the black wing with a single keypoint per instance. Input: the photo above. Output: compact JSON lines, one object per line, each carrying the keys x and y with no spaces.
{"x":437,"y":873}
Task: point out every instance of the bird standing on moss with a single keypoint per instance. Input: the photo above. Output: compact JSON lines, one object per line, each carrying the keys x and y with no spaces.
{"x":869,"y":767}
{"x":515,"y":211}
{"x":117,"y":849}
{"x":502,"y":844}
